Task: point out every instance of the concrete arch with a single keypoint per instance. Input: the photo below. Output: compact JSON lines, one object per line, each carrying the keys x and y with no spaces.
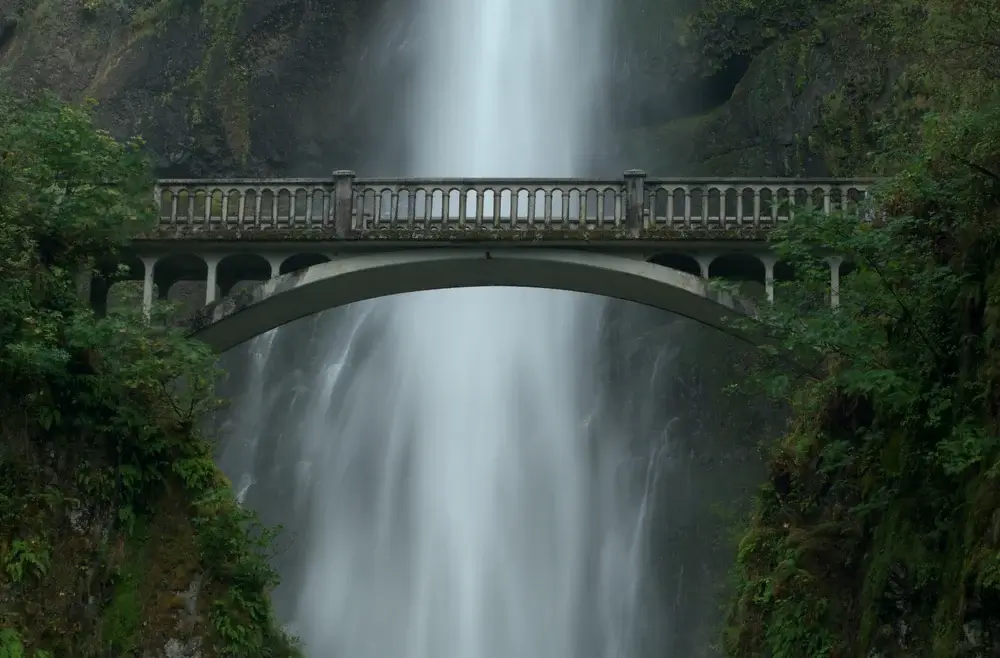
{"x":242,"y":267}
{"x":115,"y":281}
{"x":679,"y":262}
{"x":240,"y":317}
{"x":168,"y":270}
{"x":738,"y":267}
{"x":301,"y":261}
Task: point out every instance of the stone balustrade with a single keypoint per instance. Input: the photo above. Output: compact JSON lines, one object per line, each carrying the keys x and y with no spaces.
{"x":635,"y":206}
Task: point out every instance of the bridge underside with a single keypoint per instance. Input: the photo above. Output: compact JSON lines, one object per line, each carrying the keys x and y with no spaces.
{"x":276,"y":302}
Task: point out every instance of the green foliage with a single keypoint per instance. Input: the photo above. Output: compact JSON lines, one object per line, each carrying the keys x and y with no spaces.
{"x":10,"y":644}
{"x":877,"y":531}
{"x":100,"y":415}
{"x":724,"y":29}
{"x":26,"y":558}
{"x":221,"y":77}
{"x":854,"y":77}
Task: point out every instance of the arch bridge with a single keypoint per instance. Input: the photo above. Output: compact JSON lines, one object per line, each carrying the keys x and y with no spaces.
{"x":342,"y":239}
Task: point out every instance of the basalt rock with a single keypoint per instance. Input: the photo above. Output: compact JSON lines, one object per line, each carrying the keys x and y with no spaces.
{"x":292,"y":87}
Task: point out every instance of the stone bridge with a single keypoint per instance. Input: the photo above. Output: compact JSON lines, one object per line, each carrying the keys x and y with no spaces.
{"x":655,"y":241}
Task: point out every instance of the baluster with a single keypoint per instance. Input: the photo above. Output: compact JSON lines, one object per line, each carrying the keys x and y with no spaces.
{"x":241,"y":209}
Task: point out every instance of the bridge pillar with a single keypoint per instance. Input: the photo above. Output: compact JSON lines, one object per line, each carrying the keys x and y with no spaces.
{"x":835,"y":262}
{"x":212,"y":278}
{"x":704,"y":263}
{"x":769,"y":263}
{"x":275,"y":263}
{"x":635,"y":182}
{"x":148,"y":267}
{"x":343,"y":202}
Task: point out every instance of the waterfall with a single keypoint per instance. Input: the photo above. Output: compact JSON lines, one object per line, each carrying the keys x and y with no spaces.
{"x":451,"y":480}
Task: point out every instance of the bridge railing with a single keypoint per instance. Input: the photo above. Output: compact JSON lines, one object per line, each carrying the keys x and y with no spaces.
{"x":345,"y":207}
{"x":488,"y":204}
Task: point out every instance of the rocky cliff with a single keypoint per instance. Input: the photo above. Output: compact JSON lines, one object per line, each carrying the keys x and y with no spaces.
{"x":301,"y":87}
{"x":215,"y":87}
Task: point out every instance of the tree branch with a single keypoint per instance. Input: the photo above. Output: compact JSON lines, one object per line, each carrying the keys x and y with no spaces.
{"x":977,"y":167}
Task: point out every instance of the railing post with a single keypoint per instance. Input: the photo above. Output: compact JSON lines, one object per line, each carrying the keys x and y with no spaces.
{"x":158,"y":203}
{"x":635,"y":182}
{"x":343,"y":202}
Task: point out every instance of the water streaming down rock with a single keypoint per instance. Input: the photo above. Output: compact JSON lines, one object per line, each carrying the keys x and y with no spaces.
{"x":452,"y":487}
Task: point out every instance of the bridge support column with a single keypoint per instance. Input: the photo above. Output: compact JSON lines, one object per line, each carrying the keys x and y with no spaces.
{"x":635,"y":212}
{"x":148,"y":268}
{"x":835,"y":262}
{"x":211,"y":280}
{"x":769,"y":263}
{"x":704,"y":263}
{"x":275,"y":264}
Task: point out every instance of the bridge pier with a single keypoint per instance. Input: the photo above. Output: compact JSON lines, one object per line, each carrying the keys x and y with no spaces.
{"x":705,"y":264}
{"x":148,"y":269}
{"x":769,"y":262}
{"x":835,"y":263}
{"x":211,"y":280}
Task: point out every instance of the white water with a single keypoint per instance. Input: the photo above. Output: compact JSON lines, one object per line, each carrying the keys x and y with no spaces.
{"x":455,"y":493}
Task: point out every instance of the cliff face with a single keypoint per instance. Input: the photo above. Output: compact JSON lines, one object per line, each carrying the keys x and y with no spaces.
{"x":814,"y":87}
{"x":224,"y":87}
{"x":215,"y":87}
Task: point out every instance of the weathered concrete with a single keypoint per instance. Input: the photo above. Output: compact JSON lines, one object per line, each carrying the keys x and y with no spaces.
{"x":273,"y":303}
{"x":630,"y":208}
{"x":388,"y":236}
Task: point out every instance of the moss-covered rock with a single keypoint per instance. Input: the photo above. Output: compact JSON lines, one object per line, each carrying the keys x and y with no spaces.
{"x":216,"y":87}
{"x":833,"y":88}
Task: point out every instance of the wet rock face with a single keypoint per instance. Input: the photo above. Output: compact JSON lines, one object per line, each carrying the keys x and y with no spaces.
{"x":295,"y":87}
{"x":251,"y":87}
{"x":666,"y":379}
{"x":8,"y":26}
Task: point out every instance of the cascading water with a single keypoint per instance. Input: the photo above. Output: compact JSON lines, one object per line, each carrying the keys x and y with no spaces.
{"x":452,"y":487}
